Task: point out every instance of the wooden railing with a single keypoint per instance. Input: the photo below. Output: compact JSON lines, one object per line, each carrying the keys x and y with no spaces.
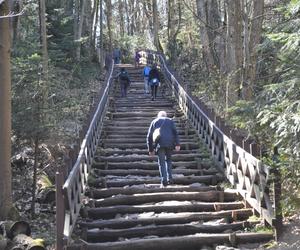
{"x":71,"y":180}
{"x":257,"y":183}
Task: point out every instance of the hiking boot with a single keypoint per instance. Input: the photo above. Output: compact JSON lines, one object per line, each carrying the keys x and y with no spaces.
{"x":170,"y":182}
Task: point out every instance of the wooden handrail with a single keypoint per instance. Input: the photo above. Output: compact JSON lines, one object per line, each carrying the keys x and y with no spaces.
{"x":254,"y":180}
{"x":70,"y":193}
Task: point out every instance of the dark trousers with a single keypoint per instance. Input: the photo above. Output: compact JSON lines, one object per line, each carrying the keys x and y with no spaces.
{"x":154,"y":91}
{"x":124,"y":87}
{"x":165,"y":164}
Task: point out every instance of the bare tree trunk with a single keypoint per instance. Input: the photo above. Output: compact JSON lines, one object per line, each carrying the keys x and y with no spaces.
{"x":109,"y":22}
{"x":96,"y":19}
{"x":45,"y":58}
{"x":210,"y":22}
{"x":79,"y":31}
{"x":101,"y":54}
{"x":121,"y":14}
{"x":254,"y":39}
{"x":5,"y":115}
{"x":15,"y":6}
{"x":234,"y":51}
{"x":156,"y":26}
{"x":34,"y":177}
{"x":174,"y":22}
{"x":127,"y":17}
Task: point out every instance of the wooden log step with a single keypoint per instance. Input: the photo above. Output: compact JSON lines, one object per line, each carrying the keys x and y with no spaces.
{"x":103,"y":235}
{"x":190,"y":242}
{"x":138,"y":130}
{"x":120,"y":145}
{"x":175,"y":207}
{"x":204,"y":164}
{"x":108,"y":152}
{"x":208,"y":196}
{"x":169,"y":218}
{"x":121,"y":124}
{"x":187,"y":180}
{"x":107,"y":192}
{"x":139,"y":137}
{"x":141,"y":172}
{"x":145,"y":104}
{"x":143,"y":114}
{"x":130,"y":158}
{"x":141,"y":123}
{"x":147,"y":108}
{"x":141,"y":140}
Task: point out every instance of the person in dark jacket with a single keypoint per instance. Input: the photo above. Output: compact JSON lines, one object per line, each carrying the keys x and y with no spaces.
{"x":154,"y":80}
{"x":168,"y":140}
{"x":124,"y":81}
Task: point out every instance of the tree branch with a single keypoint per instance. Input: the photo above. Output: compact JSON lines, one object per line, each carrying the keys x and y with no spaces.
{"x":12,"y":14}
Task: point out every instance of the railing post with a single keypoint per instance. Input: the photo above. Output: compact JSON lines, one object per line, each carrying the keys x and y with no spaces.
{"x":60,"y":210}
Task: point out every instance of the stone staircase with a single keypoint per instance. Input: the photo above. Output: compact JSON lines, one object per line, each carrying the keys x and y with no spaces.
{"x":127,"y":209}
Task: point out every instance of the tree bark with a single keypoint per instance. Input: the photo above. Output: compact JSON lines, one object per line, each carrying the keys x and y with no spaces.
{"x":156,"y":26}
{"x":121,"y":15}
{"x":101,"y":49}
{"x":254,"y":39}
{"x":234,"y":51}
{"x":109,"y":23}
{"x":5,"y":115}
{"x":174,"y":22}
{"x":210,"y":22}
{"x":79,"y":31}
{"x":45,"y":58}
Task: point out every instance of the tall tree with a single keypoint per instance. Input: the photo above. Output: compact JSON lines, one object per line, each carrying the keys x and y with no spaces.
{"x":79,"y":12}
{"x":122,"y":18}
{"x":109,"y":23}
{"x":156,"y":26}
{"x":43,"y":39}
{"x":174,"y":22}
{"x":101,"y":54}
{"x":5,"y":113}
{"x":209,"y":18}
{"x":252,"y":38}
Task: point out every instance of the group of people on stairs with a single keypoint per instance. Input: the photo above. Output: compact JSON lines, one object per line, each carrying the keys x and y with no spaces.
{"x":151,"y":79}
{"x":162,"y":136}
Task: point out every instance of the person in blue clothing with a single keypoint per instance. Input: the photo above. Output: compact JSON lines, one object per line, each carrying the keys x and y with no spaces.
{"x":117,"y":55}
{"x":146,"y":72}
{"x":154,"y":80}
{"x":164,"y":146}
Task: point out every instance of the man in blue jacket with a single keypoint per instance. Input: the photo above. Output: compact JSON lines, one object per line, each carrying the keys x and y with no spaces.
{"x":167,"y":141}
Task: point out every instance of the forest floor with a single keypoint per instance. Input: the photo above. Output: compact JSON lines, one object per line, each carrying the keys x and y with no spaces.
{"x":290,"y":237}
